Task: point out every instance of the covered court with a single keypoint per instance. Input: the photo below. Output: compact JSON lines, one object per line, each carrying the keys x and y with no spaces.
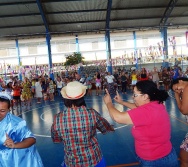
{"x":35,"y":25}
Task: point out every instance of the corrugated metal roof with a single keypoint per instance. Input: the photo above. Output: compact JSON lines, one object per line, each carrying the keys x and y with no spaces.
{"x":55,"y":6}
{"x":77,"y":17}
{"x":84,"y":27}
{"x":18,"y":9}
{"x":23,"y":18}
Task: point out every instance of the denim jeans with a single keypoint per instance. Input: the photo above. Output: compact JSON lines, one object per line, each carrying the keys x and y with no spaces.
{"x":171,"y":160}
{"x":59,"y":91}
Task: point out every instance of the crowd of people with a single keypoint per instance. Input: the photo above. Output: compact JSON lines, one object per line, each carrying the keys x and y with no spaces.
{"x":44,"y":87}
{"x":76,"y":126}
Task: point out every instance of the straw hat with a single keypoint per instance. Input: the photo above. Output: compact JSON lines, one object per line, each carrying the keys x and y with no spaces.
{"x":73,"y":90}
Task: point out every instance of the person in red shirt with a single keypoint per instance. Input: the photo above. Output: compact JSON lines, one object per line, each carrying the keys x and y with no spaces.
{"x":150,"y":124}
{"x":143,"y":75}
{"x":16,"y":93}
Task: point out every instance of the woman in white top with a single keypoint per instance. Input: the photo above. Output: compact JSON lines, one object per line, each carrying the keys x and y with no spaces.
{"x":38,"y":91}
{"x":59,"y":84}
{"x":155,"y":76}
{"x":110,"y":84}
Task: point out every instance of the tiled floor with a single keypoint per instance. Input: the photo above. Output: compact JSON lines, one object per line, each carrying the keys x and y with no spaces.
{"x":117,"y":147}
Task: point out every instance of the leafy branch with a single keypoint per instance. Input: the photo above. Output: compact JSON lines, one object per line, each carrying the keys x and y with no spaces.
{"x":73,"y":59}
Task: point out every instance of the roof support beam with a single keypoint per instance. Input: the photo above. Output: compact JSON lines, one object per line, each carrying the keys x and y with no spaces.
{"x":128,"y":29}
{"x":114,"y":9}
{"x":135,"y":28}
{"x":34,"y":2}
{"x":18,"y":3}
{"x":92,"y":10}
{"x":75,"y":11}
{"x":19,"y":26}
{"x":43,"y":16}
{"x":20,"y":15}
{"x":167,"y":12}
{"x":93,"y":21}
{"x":48,"y":37}
{"x":163,"y":24}
{"x":52,"y":1}
{"x":107,"y":26}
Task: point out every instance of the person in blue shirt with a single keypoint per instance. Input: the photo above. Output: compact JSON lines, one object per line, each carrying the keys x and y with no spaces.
{"x":176,"y":73}
{"x":17,"y":147}
{"x":1,"y":89}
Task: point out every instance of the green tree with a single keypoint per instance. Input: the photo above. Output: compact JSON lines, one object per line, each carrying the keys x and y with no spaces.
{"x":73,"y":59}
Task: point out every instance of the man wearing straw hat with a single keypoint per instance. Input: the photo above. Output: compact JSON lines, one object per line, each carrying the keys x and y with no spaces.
{"x":76,"y":128}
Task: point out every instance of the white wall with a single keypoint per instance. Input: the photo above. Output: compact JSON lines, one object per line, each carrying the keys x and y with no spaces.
{"x":91,"y":46}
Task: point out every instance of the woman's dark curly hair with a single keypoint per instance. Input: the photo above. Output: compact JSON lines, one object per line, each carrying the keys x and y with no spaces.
{"x":150,"y":88}
{"x":77,"y":102}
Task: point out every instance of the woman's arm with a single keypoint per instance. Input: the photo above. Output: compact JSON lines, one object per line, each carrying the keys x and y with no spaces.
{"x":128,"y":104}
{"x":54,"y":132}
{"x":116,"y":115}
{"x":23,"y":144}
{"x":102,"y":124}
{"x":182,"y":101}
{"x":119,"y":100}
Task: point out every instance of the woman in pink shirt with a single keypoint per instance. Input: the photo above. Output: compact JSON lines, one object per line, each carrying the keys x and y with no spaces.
{"x":150,"y":124}
{"x":98,"y":83}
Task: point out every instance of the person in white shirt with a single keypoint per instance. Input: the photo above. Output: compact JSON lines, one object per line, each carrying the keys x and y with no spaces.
{"x":59,"y":84}
{"x":110,"y":84}
{"x":155,"y":76}
{"x":38,"y":91}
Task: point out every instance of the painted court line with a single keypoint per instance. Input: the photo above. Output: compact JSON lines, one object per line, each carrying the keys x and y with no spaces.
{"x":179,"y":120}
{"x":97,"y":132}
{"x":123,"y":165}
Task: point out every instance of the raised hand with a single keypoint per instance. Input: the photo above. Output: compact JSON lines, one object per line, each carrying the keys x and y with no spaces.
{"x":107,"y":99}
{"x":118,"y":98}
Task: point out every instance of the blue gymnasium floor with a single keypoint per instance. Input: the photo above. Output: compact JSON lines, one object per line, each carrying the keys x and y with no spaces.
{"x":117,"y":147}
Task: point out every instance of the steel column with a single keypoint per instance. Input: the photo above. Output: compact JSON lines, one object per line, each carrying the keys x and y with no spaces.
{"x":107,"y":37}
{"x":77,"y":45}
{"x":19,"y":59}
{"x":135,"y":49}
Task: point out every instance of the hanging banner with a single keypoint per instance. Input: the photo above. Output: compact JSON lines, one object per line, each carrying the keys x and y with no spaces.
{"x":186,"y":34}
